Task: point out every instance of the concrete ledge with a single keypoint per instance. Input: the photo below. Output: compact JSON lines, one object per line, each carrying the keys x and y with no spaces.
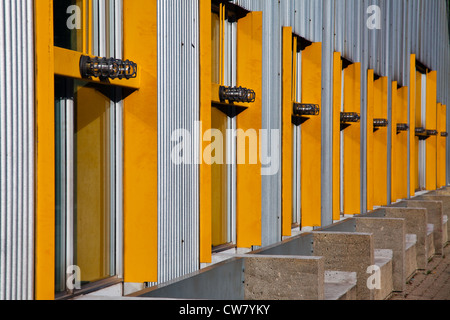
{"x":430,"y":241}
{"x":383,"y":259}
{"x":351,"y":252}
{"x":445,"y":226}
{"x":388,"y":233}
{"x":340,"y":285}
{"x":283,"y":278}
{"x":410,"y":256}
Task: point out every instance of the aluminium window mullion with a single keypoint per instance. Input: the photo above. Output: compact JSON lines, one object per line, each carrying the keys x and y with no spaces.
{"x":422,"y":143}
{"x":298,"y":129}
{"x":118,"y":129}
{"x":341,"y":152}
{"x":233,"y":35}
{"x":69,"y":175}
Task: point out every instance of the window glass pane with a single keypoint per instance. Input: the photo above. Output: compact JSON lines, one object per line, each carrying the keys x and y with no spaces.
{"x":215,"y":48}
{"x":219,"y":183}
{"x":84,"y":193}
{"x":68,"y":24}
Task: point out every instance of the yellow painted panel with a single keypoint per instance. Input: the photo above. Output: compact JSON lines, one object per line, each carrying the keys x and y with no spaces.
{"x":370,"y":159}
{"x":92,"y":192}
{"x":431,"y":142}
{"x":206,"y":56}
{"x":380,"y":139}
{"x":249,"y":75}
{"x":441,"y":146}
{"x":287,"y":133}
{"x":45,"y":152}
{"x":352,"y":141}
{"x":399,"y":171}
{"x":311,"y":149}
{"x":140,"y":145}
{"x":412,"y":123}
{"x":337,"y":79}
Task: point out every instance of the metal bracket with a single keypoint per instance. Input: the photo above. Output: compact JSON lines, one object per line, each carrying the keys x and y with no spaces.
{"x":444,"y":134}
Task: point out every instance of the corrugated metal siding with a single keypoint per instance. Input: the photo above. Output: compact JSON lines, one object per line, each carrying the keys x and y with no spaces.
{"x":16,"y":150}
{"x":178,"y":108}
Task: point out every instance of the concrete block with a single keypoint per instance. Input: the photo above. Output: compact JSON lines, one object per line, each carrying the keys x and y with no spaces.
{"x":383,"y":259}
{"x":388,"y":233}
{"x":435,"y":217}
{"x":351,"y":252}
{"x":275,"y":277}
{"x":410,"y":256}
{"x":444,"y":196}
{"x":416,"y":223}
{"x":340,"y":285}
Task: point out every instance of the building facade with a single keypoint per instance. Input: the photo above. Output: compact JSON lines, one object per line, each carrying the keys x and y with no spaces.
{"x":219,"y":125}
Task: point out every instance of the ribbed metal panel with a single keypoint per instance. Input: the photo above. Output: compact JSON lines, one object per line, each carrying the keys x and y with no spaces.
{"x":178,"y":108}
{"x":16,"y":150}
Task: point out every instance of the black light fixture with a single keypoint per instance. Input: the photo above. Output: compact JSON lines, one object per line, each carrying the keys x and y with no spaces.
{"x":302,"y":112}
{"x":347,"y":118}
{"x":380,"y":123}
{"x":105,"y":68}
{"x":350,"y":117}
{"x":236,"y":94}
{"x":303,"y":109}
{"x":402,"y":127}
{"x":420,"y":131}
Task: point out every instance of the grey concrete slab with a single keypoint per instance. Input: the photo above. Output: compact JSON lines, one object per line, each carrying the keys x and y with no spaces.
{"x":389,"y":233}
{"x":416,"y":223}
{"x":275,"y":277}
{"x":351,"y":252}
{"x":434,"y":216}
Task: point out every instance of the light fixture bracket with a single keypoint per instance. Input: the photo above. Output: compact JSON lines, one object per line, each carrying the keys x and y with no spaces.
{"x":107,"y":68}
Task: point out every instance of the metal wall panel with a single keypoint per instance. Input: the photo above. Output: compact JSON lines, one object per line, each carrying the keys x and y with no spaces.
{"x":178,"y":108}
{"x":16,"y":150}
{"x":406,"y":27}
